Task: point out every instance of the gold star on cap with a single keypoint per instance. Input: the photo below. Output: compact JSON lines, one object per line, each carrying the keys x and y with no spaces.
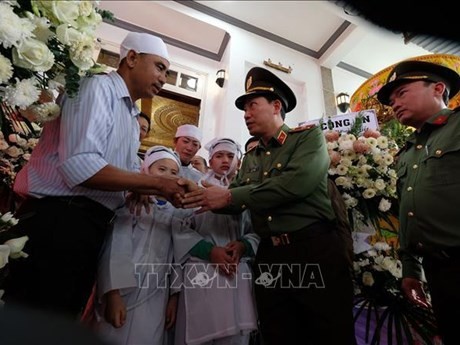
{"x":393,"y":77}
{"x":248,"y":83}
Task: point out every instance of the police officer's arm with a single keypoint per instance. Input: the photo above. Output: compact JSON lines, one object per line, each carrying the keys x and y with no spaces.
{"x":306,"y":168}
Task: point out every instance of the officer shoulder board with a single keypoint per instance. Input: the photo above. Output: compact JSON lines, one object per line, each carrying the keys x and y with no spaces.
{"x":302,"y":128}
{"x":251,"y":149}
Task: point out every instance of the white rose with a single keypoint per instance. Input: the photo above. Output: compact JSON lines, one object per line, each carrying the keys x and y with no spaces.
{"x":65,"y":11}
{"x":34,"y":55}
{"x":67,"y":35}
{"x":368,"y":193}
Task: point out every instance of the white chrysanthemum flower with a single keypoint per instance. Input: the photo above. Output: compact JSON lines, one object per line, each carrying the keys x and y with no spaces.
{"x":81,"y":52}
{"x":23,"y":94}
{"x":362,"y":160}
{"x":382,"y":142}
{"x":381,"y":246}
{"x":372,"y":142}
{"x":392,"y":173}
{"x":341,"y":169}
{"x":350,"y":202}
{"x":42,"y":25}
{"x":388,"y":159}
{"x":362,"y":171}
{"x":377,"y":157}
{"x":369,"y":193}
{"x":331,"y":145}
{"x":6,"y":69}
{"x":13,"y":29}
{"x":46,"y":111}
{"x":349,"y":154}
{"x":346,"y":161}
{"x":379,"y":184}
{"x":346,"y":145}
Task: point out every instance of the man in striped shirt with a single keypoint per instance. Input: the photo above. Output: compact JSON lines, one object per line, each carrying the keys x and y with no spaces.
{"x":77,"y":177}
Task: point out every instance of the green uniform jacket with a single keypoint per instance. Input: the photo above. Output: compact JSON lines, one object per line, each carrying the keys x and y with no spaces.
{"x":429,"y":190}
{"x":285,"y":183}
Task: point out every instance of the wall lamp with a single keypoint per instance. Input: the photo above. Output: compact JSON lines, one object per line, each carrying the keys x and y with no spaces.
{"x":343,"y":101}
{"x":220,"y":77}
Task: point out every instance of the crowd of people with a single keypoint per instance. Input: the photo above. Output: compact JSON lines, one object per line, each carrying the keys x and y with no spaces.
{"x":174,"y":248}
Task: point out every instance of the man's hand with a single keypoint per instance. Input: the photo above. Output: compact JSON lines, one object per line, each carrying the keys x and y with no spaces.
{"x":173,"y":189}
{"x":209,"y":198}
{"x":413,"y":289}
{"x":171,"y":311}
{"x":115,"y":310}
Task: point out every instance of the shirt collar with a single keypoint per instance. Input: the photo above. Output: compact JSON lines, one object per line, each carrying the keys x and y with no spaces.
{"x":121,"y":91}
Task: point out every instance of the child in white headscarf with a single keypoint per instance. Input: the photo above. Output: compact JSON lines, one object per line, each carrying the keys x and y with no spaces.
{"x":136,"y":306}
{"x":217,"y":304}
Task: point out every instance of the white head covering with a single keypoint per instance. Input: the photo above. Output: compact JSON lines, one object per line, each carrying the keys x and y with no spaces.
{"x":143,"y":43}
{"x":156,"y":153}
{"x":189,"y":131}
{"x":223,"y":144}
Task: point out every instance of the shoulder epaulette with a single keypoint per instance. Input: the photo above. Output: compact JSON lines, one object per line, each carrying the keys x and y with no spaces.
{"x":302,"y":128}
{"x":251,"y":149}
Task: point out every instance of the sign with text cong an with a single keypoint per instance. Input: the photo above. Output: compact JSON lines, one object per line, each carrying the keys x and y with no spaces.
{"x":343,"y":123}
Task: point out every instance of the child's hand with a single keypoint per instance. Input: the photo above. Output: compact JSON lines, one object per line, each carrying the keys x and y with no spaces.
{"x":171,"y":310}
{"x":115,"y":310}
{"x":237,"y":249}
{"x":222,"y":257}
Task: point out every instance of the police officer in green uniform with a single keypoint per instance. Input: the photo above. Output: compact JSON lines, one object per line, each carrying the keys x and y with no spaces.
{"x":429,"y":187}
{"x":303,"y":285}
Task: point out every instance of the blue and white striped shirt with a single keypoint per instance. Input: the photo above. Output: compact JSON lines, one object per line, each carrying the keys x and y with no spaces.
{"x":97,"y":128}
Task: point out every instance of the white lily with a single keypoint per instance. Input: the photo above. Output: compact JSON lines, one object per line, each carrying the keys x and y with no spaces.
{"x":4,"y":253}
{"x":16,"y":246}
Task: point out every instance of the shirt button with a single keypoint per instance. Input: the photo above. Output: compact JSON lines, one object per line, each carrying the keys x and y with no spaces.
{"x":243,"y":206}
{"x":279,"y":165}
{"x":248,"y":180}
{"x":265,"y":173}
{"x":410,"y":214}
{"x":269,"y":218}
{"x":415,"y":166}
{"x":419,"y":147}
{"x":438,"y":152}
{"x":268,"y":153}
{"x":409,"y":189}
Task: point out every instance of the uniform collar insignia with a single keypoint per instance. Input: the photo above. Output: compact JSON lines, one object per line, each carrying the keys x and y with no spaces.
{"x":281,"y":138}
{"x":440,"y":120}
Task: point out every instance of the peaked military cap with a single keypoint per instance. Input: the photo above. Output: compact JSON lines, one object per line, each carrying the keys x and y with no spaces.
{"x":410,"y":71}
{"x":260,"y":82}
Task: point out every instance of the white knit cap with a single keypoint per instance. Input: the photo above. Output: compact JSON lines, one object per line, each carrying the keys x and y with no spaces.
{"x":189,"y":131}
{"x":143,"y":43}
{"x":156,"y":153}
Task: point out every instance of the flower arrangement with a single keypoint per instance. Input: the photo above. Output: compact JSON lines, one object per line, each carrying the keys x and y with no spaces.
{"x":379,"y":299}
{"x":45,"y":47}
{"x":362,"y":167}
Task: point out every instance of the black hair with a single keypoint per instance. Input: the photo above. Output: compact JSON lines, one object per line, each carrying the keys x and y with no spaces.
{"x":273,"y":97}
{"x":250,"y":140}
{"x":147,"y":118}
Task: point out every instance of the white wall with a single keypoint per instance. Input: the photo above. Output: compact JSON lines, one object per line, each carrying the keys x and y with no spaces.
{"x":219,"y":116}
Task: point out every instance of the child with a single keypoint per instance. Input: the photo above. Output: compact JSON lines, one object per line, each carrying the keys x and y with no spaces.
{"x":133,"y":286}
{"x":217,"y":305}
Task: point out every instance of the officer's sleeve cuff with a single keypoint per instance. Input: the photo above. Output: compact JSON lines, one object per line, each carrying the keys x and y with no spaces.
{"x":240,"y":197}
{"x":202,"y":250}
